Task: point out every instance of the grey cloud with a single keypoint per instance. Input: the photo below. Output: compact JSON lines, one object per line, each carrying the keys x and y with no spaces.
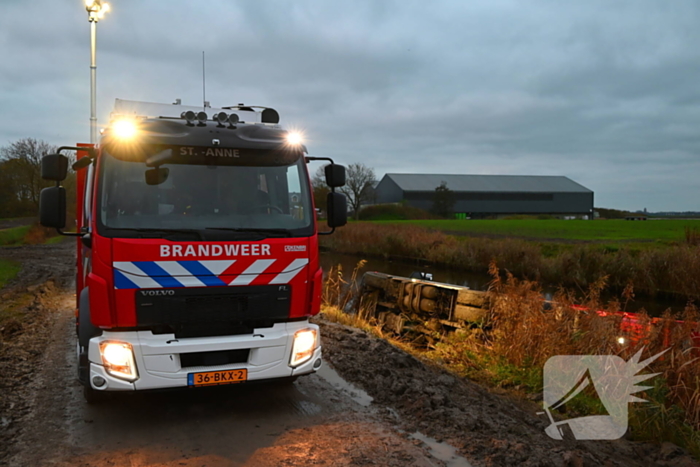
{"x":603,"y":92}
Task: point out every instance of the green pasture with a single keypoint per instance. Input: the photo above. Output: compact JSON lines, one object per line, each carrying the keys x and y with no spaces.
{"x":8,"y":270}
{"x":609,"y":231}
{"x":14,"y":235}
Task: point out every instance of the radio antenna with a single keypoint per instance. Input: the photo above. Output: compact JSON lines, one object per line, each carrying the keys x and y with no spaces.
{"x":204,"y":85}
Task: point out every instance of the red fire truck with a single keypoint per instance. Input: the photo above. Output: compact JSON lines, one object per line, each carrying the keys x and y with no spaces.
{"x":197,"y":259}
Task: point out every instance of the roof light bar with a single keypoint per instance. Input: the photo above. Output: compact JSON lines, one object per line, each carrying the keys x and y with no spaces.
{"x":221,"y":118}
{"x":189,"y":116}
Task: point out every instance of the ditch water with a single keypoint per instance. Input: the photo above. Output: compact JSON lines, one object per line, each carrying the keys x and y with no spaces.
{"x":475,"y":281}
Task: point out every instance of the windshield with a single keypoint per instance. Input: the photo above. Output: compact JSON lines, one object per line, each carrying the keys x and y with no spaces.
{"x":204,"y":197}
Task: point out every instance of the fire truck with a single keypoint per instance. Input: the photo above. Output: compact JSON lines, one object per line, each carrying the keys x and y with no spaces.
{"x":197,"y":248}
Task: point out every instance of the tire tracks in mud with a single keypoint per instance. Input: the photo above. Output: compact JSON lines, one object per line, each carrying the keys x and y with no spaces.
{"x":487,"y":428}
{"x":47,"y":422}
{"x":312,"y":422}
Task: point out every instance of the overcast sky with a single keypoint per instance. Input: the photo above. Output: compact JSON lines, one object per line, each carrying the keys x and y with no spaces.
{"x":604,"y":92}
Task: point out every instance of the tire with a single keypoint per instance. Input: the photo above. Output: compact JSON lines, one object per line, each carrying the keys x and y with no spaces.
{"x":86,"y":331}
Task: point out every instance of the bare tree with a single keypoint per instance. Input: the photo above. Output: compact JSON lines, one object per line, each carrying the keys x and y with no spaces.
{"x":358,"y":186}
{"x":21,"y":164}
{"x":358,"y":189}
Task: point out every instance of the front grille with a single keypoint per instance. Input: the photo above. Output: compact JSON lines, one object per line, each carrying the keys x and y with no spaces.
{"x":212,"y":311}
{"x":226,"y":303}
{"x":220,"y":357}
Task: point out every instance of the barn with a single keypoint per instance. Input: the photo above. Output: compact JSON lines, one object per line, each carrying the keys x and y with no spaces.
{"x":491,"y":195}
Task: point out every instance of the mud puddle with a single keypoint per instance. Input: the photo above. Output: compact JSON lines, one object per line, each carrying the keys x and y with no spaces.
{"x":337,"y":382}
{"x":442,"y":451}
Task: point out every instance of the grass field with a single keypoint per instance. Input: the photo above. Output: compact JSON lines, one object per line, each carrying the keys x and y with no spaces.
{"x":14,"y":235}
{"x":8,"y":270}
{"x":608,"y":231}
{"x":28,"y":234}
{"x":57,"y":239}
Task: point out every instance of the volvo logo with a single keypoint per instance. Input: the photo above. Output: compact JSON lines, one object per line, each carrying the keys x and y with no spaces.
{"x":156,"y":293}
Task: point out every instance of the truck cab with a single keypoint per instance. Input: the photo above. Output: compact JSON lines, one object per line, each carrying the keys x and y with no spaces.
{"x":197,"y":248}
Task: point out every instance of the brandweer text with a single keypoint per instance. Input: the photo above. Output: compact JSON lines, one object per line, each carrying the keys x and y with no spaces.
{"x":214,"y":250}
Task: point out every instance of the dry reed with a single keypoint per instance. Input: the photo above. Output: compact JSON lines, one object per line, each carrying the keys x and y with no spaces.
{"x":520,"y":335}
{"x":672,"y":269}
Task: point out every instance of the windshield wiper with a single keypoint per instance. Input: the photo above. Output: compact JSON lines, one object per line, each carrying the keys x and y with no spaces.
{"x":163,"y":231}
{"x":264,"y":232}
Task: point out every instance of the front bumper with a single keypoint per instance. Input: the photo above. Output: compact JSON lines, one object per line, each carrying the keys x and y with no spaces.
{"x":157,"y":357}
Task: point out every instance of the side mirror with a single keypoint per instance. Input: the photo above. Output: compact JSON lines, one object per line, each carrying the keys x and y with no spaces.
{"x":52,"y":207}
{"x":337,"y":209}
{"x":54,"y":167}
{"x":157,"y":175}
{"x":335,"y":175}
{"x":82,"y":163}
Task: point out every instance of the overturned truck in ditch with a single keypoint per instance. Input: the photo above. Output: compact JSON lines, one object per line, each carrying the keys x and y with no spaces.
{"x":410,"y":304}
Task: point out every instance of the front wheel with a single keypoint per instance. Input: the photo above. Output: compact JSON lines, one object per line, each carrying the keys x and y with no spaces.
{"x":91,"y":395}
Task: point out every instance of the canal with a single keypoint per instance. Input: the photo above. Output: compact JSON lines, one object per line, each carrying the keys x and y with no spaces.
{"x":476,"y":281}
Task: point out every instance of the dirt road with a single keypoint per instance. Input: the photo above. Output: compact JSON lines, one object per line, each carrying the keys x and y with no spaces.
{"x":307,"y":423}
{"x":45,"y":421}
{"x":318,"y":420}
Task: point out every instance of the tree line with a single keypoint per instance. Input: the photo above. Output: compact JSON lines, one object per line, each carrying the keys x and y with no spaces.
{"x":359,"y":187}
{"x":21,"y":183}
{"x":20,"y":177}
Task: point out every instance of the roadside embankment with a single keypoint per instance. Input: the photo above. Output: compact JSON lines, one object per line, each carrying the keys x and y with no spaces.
{"x":672,"y":269}
{"x":18,"y":233}
{"x":488,"y":428}
{"x":509,"y":350}
{"x":29,"y":305}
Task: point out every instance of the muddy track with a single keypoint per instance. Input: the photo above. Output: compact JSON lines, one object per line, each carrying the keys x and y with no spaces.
{"x":45,"y":421}
{"x":489,"y":429}
{"x":318,"y":420}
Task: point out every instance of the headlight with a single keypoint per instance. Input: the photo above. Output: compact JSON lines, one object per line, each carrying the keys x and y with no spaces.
{"x":124,"y":129}
{"x":294,"y":138}
{"x":118,"y":359}
{"x":304,"y":346}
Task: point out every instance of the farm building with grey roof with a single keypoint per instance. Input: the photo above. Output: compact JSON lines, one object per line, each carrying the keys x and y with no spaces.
{"x":491,"y":195}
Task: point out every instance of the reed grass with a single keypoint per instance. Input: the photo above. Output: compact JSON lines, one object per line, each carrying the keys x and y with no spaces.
{"x":510,"y":350}
{"x":673,"y":270}
{"x":37,"y":234}
{"x":692,"y":236}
